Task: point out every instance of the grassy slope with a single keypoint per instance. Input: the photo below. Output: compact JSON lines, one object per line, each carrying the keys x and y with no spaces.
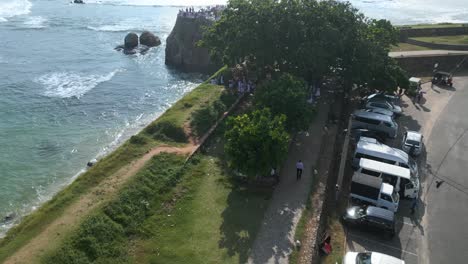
{"x":459,"y":39}
{"x":35,"y":222}
{"x":215,"y":221}
{"x":407,"y":47}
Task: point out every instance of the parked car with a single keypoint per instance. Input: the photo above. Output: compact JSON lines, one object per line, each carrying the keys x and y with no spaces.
{"x":370,"y":258}
{"x":443,"y":78}
{"x":382,"y":96}
{"x":376,"y":122}
{"x":357,"y":134}
{"x":412,"y":143}
{"x":371,"y":218}
{"x":384,"y":105}
{"x":380,"y":111}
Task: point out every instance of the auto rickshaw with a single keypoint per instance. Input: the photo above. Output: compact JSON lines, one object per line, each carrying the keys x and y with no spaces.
{"x":443,"y":78}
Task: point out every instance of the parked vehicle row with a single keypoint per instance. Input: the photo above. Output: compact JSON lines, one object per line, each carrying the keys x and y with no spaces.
{"x":383,"y":174}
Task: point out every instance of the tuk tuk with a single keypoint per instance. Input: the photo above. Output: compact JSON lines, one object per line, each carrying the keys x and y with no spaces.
{"x":415,"y":83}
{"x":443,"y":78}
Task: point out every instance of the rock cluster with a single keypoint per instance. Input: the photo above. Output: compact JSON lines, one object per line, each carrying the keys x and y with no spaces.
{"x":134,"y":44}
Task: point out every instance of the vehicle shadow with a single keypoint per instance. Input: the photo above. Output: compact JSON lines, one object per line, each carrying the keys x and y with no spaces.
{"x":445,"y":87}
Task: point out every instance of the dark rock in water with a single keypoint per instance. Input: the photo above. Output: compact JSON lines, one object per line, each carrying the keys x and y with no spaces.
{"x":91,"y":162}
{"x":78,"y":1}
{"x":131,"y":41}
{"x":149,"y":39}
{"x":9,"y":217}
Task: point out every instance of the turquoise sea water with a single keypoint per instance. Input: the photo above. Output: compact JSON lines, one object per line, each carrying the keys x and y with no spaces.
{"x":67,"y":97}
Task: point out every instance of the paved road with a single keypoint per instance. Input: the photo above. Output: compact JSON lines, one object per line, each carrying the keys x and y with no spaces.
{"x":423,"y":53}
{"x":441,"y":219}
{"x":446,"y":214}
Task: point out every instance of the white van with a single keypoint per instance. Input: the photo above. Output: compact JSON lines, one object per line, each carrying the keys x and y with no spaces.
{"x":399,"y":177}
{"x":370,"y":148}
{"x":373,"y":190}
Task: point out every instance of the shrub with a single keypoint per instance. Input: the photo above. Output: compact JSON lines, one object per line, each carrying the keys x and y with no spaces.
{"x":167,"y":131}
{"x":137,"y":140}
{"x":203,"y":119}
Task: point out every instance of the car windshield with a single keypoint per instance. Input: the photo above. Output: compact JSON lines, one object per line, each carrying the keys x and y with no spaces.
{"x":412,"y":142}
{"x":395,"y":197}
{"x":363,"y":258}
{"x":412,"y":164}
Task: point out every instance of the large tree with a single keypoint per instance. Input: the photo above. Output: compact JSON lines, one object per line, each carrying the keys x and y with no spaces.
{"x":287,"y":95}
{"x":255,"y":142}
{"x":307,"y":38}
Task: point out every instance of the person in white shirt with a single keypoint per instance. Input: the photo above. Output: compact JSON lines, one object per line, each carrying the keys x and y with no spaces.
{"x":299,"y":168}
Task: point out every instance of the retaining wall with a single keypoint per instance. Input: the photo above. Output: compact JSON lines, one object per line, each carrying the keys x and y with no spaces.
{"x":436,"y":45}
{"x":425,"y":64}
{"x":406,"y":33}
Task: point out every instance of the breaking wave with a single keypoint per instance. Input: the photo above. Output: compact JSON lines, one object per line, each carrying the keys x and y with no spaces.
{"x":11,"y":8}
{"x":68,"y":84}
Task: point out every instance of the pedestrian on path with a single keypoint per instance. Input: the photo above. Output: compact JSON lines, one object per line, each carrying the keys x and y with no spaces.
{"x":414,"y":204}
{"x":299,"y":168}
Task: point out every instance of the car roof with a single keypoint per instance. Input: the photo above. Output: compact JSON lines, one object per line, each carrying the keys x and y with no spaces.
{"x":379,"y":258}
{"x":381,"y":150}
{"x":414,"y":79}
{"x":385,"y":168}
{"x":386,"y":188}
{"x":380,"y":213}
{"x":412,"y":135}
{"x":380,"y":111}
{"x":365,"y":114}
{"x":368,"y":180}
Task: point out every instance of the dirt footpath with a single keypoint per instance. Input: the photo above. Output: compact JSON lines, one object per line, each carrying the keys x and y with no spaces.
{"x":97,"y":196}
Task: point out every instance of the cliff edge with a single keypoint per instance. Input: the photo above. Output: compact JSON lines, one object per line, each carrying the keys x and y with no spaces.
{"x":181,"y":49}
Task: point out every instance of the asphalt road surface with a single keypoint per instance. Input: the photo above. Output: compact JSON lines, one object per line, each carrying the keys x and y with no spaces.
{"x":438,"y":231}
{"x":445,"y":218}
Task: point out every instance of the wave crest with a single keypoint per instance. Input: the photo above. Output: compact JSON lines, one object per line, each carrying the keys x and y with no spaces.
{"x":68,"y":84}
{"x":35,"y":22}
{"x":12,"y":8}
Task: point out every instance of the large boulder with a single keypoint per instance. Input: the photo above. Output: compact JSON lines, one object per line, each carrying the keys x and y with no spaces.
{"x":149,"y":39}
{"x":131,"y":41}
{"x":182,"y":51}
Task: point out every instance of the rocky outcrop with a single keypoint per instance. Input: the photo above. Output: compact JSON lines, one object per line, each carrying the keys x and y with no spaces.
{"x":78,"y":1}
{"x":181,"y":46}
{"x":131,"y":41}
{"x":149,"y":39}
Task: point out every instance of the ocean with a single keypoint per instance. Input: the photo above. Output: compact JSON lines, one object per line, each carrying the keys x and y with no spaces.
{"x":66,"y":96}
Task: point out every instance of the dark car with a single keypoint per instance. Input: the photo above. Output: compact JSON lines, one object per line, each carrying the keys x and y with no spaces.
{"x":371,"y":218}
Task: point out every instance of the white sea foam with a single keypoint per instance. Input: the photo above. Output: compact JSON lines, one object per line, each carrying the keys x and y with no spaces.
{"x":68,"y":84}
{"x":11,"y":8}
{"x":35,"y":22}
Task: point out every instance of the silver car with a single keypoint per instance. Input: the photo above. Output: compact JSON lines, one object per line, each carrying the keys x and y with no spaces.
{"x":384,"y":105}
{"x":412,"y":143}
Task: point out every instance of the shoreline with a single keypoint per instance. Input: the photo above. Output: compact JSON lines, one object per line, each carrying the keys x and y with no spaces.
{"x":55,"y":188}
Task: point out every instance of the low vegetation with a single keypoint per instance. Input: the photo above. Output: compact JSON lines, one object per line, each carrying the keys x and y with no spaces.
{"x":453,"y":40}
{"x":337,"y":242}
{"x":407,"y":47}
{"x":439,"y":25}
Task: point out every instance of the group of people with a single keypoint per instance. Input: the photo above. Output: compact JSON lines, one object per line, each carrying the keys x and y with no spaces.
{"x":242,"y":85}
{"x":213,"y":12}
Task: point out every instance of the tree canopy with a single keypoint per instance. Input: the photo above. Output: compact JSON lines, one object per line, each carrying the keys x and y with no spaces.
{"x":307,"y":38}
{"x":287,"y":95}
{"x":255,"y":142}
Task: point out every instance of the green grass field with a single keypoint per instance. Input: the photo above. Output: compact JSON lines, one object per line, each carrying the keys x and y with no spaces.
{"x":178,"y":115}
{"x":407,"y":47}
{"x":459,"y":39}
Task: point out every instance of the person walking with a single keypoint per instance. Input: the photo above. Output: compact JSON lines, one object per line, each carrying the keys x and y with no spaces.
{"x":299,"y":168}
{"x":414,"y":204}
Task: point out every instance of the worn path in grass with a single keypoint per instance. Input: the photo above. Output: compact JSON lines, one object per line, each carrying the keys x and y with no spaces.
{"x":274,"y":242}
{"x":53,"y":233}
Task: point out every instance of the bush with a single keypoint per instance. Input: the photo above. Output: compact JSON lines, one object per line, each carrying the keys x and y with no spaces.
{"x":167,"y":131}
{"x":137,"y":140}
{"x":204,"y":118}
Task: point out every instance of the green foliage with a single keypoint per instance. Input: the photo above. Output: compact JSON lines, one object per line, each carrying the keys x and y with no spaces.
{"x":167,"y":131}
{"x":103,"y":236}
{"x":256,"y":142}
{"x":310,"y":39}
{"x":138,"y":140}
{"x":204,"y":118}
{"x":288,"y":96}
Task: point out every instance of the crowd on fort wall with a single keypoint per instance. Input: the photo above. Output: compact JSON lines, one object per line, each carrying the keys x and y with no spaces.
{"x":209,"y":12}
